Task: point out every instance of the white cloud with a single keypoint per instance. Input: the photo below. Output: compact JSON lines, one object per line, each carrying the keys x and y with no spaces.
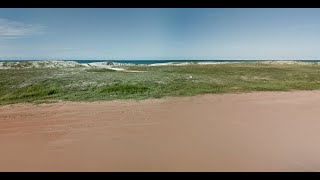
{"x":14,"y":29}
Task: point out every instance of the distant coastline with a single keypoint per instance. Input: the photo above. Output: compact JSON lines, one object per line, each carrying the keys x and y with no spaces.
{"x":160,"y":61}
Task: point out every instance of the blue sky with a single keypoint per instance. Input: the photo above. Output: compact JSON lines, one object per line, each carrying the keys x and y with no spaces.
{"x":159,"y":33}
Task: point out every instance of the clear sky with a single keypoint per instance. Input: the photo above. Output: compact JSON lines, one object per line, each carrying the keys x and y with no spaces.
{"x":159,"y":33}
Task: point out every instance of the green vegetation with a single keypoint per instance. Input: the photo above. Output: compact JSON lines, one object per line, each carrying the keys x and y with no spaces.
{"x":99,"y":70}
{"x":85,"y":84}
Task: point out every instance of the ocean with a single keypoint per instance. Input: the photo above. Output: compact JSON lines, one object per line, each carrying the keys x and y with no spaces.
{"x":158,"y":61}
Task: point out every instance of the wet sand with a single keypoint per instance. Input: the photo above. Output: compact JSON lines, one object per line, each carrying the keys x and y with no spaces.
{"x":265,"y":131}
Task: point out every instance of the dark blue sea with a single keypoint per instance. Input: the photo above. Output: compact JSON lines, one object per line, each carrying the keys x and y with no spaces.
{"x":157,"y":61}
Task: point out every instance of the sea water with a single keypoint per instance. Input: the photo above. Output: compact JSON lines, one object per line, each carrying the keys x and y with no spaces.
{"x":158,"y":61}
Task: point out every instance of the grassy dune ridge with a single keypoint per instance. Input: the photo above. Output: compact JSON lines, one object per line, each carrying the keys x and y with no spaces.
{"x":91,"y":84}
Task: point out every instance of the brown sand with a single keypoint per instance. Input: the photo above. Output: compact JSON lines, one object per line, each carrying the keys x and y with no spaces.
{"x":272,"y":131}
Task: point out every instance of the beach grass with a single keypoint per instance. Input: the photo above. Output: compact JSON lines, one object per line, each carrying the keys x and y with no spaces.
{"x":83,"y":84}
{"x":99,"y":70}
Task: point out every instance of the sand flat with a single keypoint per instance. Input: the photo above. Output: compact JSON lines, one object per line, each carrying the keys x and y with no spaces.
{"x":263,"y":131}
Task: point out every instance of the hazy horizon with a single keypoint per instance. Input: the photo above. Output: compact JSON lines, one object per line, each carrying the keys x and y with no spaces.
{"x":159,"y":34}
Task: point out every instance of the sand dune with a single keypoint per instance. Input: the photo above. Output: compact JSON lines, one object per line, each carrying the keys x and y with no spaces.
{"x":271,"y":131}
{"x":118,"y":66}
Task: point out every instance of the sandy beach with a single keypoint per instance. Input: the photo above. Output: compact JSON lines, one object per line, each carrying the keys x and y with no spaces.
{"x":265,"y":131}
